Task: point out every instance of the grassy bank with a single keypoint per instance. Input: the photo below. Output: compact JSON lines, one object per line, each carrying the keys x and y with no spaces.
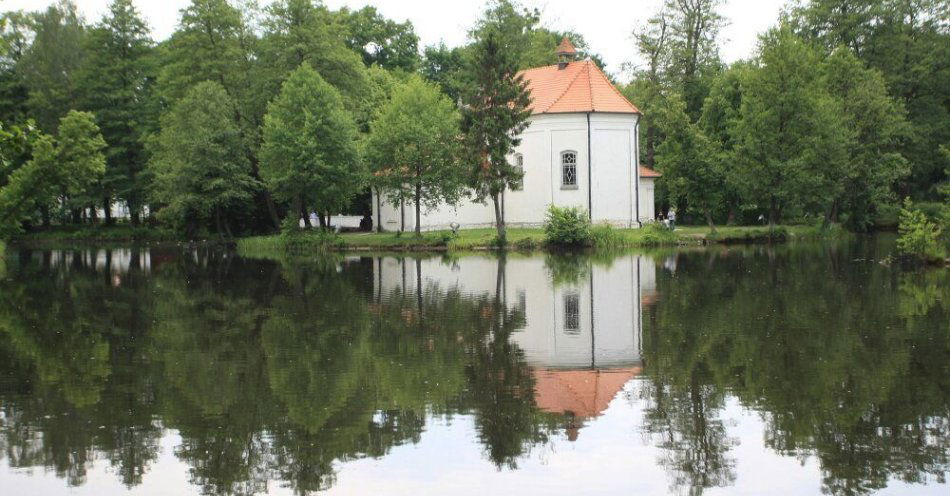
{"x":521,"y":239}
{"x":99,"y":234}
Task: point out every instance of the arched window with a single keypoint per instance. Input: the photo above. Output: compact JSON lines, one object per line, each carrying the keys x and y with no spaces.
{"x":519,"y":164}
{"x":569,"y":170}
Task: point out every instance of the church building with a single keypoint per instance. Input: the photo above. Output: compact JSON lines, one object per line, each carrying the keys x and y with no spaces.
{"x":579,"y":149}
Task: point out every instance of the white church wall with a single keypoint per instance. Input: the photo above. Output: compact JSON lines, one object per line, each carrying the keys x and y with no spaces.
{"x":612,"y":146}
{"x":614,"y":168}
{"x":647,"y":199}
{"x":553,"y":335}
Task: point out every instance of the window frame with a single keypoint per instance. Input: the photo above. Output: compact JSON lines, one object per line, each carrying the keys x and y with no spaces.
{"x":572,"y":312}
{"x":519,"y":164}
{"x":564,"y":166}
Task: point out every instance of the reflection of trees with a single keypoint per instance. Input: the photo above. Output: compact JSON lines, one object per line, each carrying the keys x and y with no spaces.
{"x":824,"y":350}
{"x":266,"y":370}
{"x":71,"y":337}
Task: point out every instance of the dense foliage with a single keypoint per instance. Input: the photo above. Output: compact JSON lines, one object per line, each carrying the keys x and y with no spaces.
{"x":413,"y":148}
{"x":825,"y":121}
{"x":567,"y":226}
{"x":840,"y":112}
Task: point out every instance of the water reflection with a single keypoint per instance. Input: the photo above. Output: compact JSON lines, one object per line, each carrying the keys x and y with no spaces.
{"x":281,"y":374}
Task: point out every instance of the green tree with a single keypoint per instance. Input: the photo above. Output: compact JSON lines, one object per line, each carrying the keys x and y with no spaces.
{"x":443,"y":65}
{"x":28,"y":187}
{"x":495,"y":113}
{"x":214,"y":42}
{"x":688,"y":162}
{"x":381,"y":41}
{"x":792,"y":141}
{"x":16,"y":30}
{"x":694,"y":26}
{"x":413,"y":148}
{"x":49,"y":66}
{"x":298,"y":31}
{"x":116,"y":84}
{"x":909,"y":43}
{"x":309,"y":155}
{"x":875,"y":163}
{"x":520,"y":29}
{"x":719,"y":120}
{"x":200,"y":168}
{"x":81,"y":160}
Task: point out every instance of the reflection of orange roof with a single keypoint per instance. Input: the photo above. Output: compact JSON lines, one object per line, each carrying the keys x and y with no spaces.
{"x":579,"y":87}
{"x":585,"y":393}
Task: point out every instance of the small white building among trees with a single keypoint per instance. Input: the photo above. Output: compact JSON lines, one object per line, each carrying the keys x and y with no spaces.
{"x":579,"y":149}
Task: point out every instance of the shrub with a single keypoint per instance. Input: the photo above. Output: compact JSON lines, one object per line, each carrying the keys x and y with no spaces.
{"x":447,"y":237}
{"x":920,"y":236}
{"x":525,"y":244}
{"x":654,"y":233}
{"x":567,"y":226}
{"x":605,"y":236}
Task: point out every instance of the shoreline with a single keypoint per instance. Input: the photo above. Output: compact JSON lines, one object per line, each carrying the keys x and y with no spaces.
{"x":519,"y":239}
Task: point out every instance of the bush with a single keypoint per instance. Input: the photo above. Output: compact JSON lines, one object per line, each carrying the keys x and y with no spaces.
{"x":605,"y":236}
{"x":447,"y":237}
{"x":920,"y":236}
{"x":567,"y":226}
{"x":654,"y":233}
{"x":525,"y":244}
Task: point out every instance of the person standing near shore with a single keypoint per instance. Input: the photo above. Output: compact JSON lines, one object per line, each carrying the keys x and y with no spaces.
{"x":672,"y":219}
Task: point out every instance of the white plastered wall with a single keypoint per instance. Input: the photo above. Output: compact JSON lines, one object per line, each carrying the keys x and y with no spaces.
{"x":613,"y":167}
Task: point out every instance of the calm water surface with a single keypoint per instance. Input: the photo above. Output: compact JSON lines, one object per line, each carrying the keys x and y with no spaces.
{"x":797,"y":369}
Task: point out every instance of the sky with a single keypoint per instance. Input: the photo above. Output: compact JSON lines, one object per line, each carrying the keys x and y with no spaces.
{"x":605,"y":24}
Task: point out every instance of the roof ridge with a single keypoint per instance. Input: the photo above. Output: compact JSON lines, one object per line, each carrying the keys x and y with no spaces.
{"x":538,"y":68}
{"x":568,"y":88}
{"x":590,"y":85}
{"x":621,"y":95}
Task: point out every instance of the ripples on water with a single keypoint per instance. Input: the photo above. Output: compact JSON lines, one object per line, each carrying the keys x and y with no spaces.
{"x":788,"y":370}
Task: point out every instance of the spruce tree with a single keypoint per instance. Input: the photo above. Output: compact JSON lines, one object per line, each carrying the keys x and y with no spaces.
{"x":495,"y":112}
{"x":116,"y":85}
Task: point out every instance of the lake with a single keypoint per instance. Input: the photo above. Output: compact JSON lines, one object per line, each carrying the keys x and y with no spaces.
{"x":793,"y":369}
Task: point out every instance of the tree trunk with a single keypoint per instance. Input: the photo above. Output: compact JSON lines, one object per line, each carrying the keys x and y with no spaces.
{"x":107,"y":210}
{"x":272,"y":209}
{"x":305,"y":213}
{"x":217,"y":220}
{"x":773,"y":213}
{"x":93,"y":215}
{"x":830,"y":215}
{"x":323,"y":220}
{"x":709,"y":220}
{"x":133,"y":205}
{"x":418,"y":210}
{"x":44,"y":212}
{"x":379,"y":212}
{"x":499,"y":220}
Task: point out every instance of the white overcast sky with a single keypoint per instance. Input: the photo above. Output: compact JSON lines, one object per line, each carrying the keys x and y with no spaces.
{"x":606,"y":24}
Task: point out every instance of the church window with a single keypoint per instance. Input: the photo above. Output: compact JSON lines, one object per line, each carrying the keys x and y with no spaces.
{"x":569,"y":170}
{"x":519,"y":164}
{"x":572,"y":313}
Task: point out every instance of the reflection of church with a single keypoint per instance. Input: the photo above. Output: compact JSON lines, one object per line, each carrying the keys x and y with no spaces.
{"x":582,"y":333}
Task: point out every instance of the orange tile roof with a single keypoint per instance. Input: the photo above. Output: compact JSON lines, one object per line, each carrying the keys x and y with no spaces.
{"x":566,"y":47}
{"x":648,"y":172}
{"x":579,"y":87}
